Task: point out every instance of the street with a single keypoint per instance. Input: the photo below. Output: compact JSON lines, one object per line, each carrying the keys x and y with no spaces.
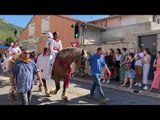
{"x":78,"y":95}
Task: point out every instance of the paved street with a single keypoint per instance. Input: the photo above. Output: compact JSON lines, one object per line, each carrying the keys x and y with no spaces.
{"x":78,"y":94}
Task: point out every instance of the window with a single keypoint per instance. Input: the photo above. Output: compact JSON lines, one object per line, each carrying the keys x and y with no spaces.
{"x":106,"y":24}
{"x":45,"y":26}
{"x":154,"y":18}
{"x":158,"y":21}
{"x":31,"y":30}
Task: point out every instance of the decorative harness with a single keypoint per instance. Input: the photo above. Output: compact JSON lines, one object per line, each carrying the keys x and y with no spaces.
{"x":68,"y":67}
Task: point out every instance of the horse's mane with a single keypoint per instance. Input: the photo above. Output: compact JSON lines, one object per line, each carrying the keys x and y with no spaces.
{"x":69,"y":52}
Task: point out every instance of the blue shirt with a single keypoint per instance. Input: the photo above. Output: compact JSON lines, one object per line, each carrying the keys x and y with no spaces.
{"x":24,"y":75}
{"x":96,"y":64}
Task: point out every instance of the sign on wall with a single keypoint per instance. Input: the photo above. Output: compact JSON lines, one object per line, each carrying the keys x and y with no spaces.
{"x":30,"y":41}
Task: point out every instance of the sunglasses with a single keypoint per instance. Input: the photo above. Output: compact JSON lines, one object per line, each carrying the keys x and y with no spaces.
{"x":26,"y":53}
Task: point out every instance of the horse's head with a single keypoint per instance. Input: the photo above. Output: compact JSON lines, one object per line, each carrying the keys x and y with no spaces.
{"x":82,"y":59}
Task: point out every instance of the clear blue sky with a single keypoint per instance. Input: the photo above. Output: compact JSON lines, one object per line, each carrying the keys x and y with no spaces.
{"x":22,"y":20}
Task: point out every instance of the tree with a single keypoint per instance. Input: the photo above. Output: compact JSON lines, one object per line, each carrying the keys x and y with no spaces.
{"x":9,"y":40}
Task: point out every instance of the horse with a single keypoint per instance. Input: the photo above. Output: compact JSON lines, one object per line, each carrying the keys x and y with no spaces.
{"x":62,"y":67}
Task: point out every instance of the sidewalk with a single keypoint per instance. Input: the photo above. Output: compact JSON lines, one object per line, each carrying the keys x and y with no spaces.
{"x":116,"y":85}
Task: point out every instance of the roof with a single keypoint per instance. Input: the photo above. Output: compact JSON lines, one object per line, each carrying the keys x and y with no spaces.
{"x":95,"y":26}
{"x":69,"y":18}
{"x":106,"y":18}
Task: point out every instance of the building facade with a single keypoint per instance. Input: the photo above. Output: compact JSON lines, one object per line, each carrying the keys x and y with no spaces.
{"x":33,"y":35}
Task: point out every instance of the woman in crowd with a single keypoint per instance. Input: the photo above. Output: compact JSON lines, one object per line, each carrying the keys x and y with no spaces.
{"x":117,"y":63}
{"x":156,"y":81}
{"x":130,"y":70}
{"x":123,"y":65}
{"x":146,"y":66}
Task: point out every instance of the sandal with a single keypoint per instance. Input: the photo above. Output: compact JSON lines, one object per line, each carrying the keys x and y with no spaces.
{"x":40,"y":88}
{"x":123,"y":85}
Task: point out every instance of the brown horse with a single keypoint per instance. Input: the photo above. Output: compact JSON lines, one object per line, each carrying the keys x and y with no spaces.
{"x":62,"y":69}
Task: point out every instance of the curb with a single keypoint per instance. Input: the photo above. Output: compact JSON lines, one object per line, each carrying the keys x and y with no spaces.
{"x":141,"y":92}
{"x":4,"y":78}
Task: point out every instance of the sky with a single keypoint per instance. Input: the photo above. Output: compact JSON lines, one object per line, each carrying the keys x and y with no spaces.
{"x":23,"y":20}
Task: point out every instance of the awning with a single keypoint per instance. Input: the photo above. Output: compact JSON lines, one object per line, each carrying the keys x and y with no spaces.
{"x":3,"y":46}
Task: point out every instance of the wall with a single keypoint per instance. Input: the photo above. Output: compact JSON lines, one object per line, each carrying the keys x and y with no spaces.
{"x":57,"y":23}
{"x":123,"y":20}
{"x":118,"y":33}
{"x":155,"y":26}
{"x":92,"y":34}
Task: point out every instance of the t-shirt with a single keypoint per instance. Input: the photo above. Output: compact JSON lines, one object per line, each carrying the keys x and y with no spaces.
{"x":54,"y":45}
{"x":96,"y":63}
{"x":131,"y":65}
{"x":24,"y":75}
{"x":15,"y":50}
{"x":139,"y":62}
{"x":118,"y":57}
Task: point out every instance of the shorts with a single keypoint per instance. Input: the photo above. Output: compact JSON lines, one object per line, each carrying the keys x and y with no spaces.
{"x":130,"y":74}
{"x":138,"y":70}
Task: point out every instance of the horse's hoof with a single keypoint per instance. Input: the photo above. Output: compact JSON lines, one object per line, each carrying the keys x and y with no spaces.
{"x":53,"y":92}
{"x":65,"y":98}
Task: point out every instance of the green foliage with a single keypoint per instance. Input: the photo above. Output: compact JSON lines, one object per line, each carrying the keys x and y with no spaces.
{"x":7,"y":31}
{"x":9,"y":40}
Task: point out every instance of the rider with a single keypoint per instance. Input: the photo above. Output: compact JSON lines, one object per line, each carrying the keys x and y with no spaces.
{"x":49,"y":39}
{"x":55,"y":44}
{"x":5,"y":64}
{"x":14,"y":49}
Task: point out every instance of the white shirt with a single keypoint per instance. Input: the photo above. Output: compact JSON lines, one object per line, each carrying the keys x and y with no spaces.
{"x":48,"y":41}
{"x":15,"y":50}
{"x":5,"y":64}
{"x":55,"y":44}
{"x":139,"y":62}
{"x":44,"y":64}
{"x":118,"y":58}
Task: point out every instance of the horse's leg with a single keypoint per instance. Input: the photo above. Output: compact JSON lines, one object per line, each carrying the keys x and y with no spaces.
{"x":57,"y":83}
{"x":64,"y":97}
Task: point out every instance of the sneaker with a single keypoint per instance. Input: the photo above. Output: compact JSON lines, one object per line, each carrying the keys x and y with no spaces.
{"x":145,"y":87}
{"x":136,"y":84}
{"x":130,"y":87}
{"x":105,"y":100}
{"x":90,"y":97}
{"x":107,"y":81}
{"x":103,"y":81}
{"x":139,"y":84}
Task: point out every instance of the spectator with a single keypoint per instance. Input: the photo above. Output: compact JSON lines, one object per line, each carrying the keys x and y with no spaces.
{"x":156,"y":81}
{"x":139,"y":67}
{"x":123,"y":65}
{"x":130,"y":71}
{"x":146,"y":66}
{"x":108,"y":61}
{"x":117,"y":64}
